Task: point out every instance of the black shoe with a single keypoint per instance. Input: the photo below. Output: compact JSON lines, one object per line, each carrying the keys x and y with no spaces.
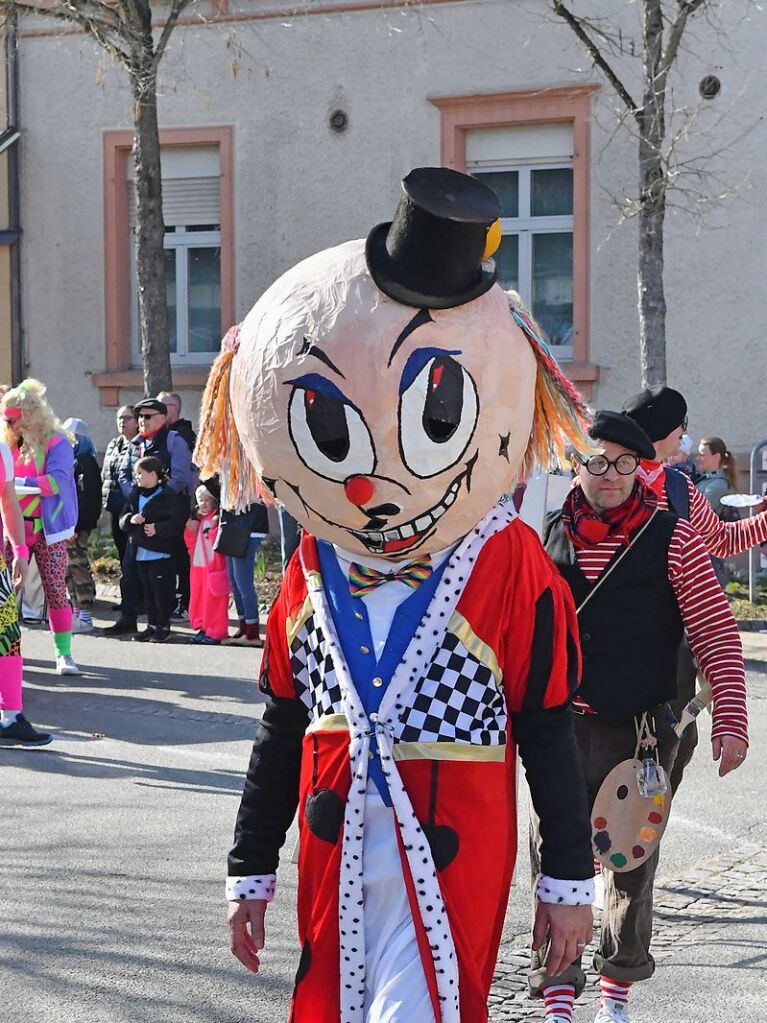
{"x":160,"y":636}
{"x":146,"y":635}
{"x":21,"y":733}
{"x":180,"y":612}
{"x":122,"y":627}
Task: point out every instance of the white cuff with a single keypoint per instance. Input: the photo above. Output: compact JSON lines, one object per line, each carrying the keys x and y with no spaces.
{"x":565,"y":893}
{"x":252,"y":886}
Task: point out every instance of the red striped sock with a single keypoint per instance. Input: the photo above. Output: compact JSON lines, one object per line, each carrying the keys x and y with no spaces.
{"x":558,"y":1001}
{"x":615,"y":990}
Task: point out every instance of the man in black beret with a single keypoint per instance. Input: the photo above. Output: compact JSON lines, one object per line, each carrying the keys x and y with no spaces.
{"x":640,"y":578}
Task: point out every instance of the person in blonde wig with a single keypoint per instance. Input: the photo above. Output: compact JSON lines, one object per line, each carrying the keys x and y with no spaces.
{"x":43,"y":462}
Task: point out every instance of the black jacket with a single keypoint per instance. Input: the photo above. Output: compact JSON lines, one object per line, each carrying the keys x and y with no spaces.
{"x":111,"y":495}
{"x":235,"y":529}
{"x":88,"y":480}
{"x":165,"y":511}
{"x":186,"y":430}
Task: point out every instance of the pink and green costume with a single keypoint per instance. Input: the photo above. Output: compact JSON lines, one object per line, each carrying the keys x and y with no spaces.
{"x":49,"y":523}
{"x":11,"y":665}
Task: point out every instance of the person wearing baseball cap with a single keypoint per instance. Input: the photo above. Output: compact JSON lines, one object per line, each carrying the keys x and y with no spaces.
{"x":155,"y":439}
{"x":640,"y":578}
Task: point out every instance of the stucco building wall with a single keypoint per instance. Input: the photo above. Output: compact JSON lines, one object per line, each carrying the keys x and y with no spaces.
{"x":299,"y":187}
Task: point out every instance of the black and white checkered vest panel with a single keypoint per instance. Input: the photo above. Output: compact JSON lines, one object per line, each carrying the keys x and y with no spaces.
{"x":455,"y":700}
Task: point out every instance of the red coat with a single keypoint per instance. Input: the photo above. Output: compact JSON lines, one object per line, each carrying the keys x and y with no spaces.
{"x":498,"y":642}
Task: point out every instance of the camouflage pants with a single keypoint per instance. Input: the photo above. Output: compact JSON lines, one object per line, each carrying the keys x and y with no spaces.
{"x":82,"y":588}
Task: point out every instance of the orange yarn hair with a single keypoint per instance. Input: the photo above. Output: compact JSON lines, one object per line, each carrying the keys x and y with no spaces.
{"x":561,"y":417}
{"x":219,"y":450}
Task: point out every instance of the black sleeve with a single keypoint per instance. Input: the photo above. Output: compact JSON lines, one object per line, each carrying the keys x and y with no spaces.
{"x":270,"y":796}
{"x":549,"y":752}
{"x":90,"y":494}
{"x":130,"y":510}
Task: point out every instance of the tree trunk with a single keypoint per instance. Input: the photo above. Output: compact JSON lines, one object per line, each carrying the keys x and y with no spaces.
{"x":651,"y":120}
{"x":150,"y":234}
{"x":652,"y":298}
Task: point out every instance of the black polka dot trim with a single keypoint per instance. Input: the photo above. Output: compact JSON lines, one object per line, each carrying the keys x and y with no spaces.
{"x":251,"y":886}
{"x":565,"y":892}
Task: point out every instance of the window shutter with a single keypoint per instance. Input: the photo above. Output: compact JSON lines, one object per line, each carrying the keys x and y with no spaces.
{"x":494,"y":147}
{"x":185,"y":201}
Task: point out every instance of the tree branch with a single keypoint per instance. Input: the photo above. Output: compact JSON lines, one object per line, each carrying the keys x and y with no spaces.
{"x":686,"y":9}
{"x":107,"y":34}
{"x":177,"y":9}
{"x":597,"y":56}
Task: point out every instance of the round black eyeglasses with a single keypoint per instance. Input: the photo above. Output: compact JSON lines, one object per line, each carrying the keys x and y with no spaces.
{"x":624,"y":465}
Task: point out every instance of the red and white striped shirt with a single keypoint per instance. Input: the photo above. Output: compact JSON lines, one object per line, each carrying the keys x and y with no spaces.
{"x":722,"y":539}
{"x":707,"y":617}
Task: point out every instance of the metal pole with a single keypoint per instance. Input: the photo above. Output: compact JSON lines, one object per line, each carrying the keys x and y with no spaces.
{"x":753,"y":552}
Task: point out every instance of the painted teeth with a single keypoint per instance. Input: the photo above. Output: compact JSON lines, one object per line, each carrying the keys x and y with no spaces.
{"x":375,"y":541}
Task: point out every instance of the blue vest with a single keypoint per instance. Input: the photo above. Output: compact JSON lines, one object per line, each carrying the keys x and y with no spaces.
{"x":350,"y":616}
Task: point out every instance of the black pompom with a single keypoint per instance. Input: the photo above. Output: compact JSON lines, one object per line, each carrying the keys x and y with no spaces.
{"x":324,"y":812}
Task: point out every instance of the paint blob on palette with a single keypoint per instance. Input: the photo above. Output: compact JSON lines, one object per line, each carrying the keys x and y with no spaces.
{"x":626,"y":827}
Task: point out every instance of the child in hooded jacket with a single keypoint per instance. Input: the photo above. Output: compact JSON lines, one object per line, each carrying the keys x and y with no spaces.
{"x":209,"y":580}
{"x":153,"y":520}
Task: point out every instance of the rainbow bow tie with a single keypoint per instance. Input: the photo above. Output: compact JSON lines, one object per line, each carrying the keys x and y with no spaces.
{"x":364,"y":580}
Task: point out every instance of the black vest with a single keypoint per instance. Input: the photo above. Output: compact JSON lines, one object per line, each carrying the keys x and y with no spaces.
{"x":631,"y":629}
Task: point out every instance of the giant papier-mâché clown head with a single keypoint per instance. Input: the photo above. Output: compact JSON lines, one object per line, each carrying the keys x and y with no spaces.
{"x":386,"y":392}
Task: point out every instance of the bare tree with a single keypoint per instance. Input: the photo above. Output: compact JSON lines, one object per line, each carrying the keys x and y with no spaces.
{"x":135,"y":33}
{"x":663,"y":25}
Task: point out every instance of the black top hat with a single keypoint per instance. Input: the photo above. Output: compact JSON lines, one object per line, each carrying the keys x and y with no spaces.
{"x":431,"y":254}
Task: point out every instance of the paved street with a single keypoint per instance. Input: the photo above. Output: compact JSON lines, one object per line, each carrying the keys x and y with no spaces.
{"x":115,"y":839}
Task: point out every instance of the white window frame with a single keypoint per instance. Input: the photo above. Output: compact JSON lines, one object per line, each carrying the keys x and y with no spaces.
{"x":181,"y":240}
{"x":525,"y":225}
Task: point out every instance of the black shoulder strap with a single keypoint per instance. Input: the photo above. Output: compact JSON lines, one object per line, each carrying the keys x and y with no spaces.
{"x":677,"y":493}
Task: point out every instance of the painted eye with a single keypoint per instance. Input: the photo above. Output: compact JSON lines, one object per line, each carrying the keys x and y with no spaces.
{"x":437,"y":416}
{"x":329,"y":434}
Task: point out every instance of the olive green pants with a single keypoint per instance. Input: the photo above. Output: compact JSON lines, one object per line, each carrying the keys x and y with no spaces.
{"x":623,"y":952}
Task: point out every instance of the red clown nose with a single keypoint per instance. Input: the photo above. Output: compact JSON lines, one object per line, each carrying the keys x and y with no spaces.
{"x":359,"y":490}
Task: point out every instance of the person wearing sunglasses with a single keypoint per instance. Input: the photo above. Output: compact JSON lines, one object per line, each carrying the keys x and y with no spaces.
{"x":640,"y":578}
{"x":156,"y":439}
{"x":44,"y":463}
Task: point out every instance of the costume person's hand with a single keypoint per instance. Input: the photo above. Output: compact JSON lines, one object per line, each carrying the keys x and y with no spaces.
{"x":569,"y":929}
{"x":137,"y":520}
{"x":246,"y":931}
{"x":732,"y":752}
{"x":150,"y":529}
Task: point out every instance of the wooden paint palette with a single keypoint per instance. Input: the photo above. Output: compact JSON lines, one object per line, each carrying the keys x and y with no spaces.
{"x":625,"y":826}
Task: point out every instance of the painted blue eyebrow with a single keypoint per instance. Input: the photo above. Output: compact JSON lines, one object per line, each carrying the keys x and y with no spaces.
{"x":416,"y":362}
{"x":320,"y":384}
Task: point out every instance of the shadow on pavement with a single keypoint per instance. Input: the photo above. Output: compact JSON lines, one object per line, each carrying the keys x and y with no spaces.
{"x":75,"y":765}
{"x":150,"y":708}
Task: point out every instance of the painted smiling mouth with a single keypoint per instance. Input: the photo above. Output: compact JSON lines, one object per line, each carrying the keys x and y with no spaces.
{"x":404,"y":536}
{"x":408,"y":534}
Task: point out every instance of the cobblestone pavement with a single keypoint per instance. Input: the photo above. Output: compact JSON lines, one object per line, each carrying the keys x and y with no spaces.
{"x":689,"y":912}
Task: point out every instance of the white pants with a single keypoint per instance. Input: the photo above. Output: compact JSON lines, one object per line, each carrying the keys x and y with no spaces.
{"x":395,"y":985}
